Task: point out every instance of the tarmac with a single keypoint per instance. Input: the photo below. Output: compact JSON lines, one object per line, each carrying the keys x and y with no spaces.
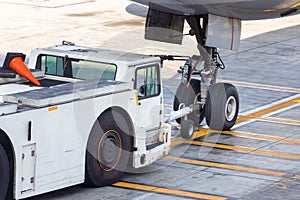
{"x":258,"y":159}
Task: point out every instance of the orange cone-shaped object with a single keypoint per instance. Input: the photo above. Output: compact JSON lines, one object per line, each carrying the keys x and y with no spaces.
{"x":18,"y":65}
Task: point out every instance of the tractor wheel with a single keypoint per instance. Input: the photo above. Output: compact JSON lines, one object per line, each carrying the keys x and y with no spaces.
{"x":108,"y":150}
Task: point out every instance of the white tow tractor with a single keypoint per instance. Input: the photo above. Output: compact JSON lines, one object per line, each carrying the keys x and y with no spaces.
{"x":85,"y":115}
{"x":82,"y":115}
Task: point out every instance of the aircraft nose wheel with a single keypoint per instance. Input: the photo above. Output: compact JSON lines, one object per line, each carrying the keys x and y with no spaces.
{"x":189,"y":96}
{"x":187,"y":129}
{"x":222,"y":106}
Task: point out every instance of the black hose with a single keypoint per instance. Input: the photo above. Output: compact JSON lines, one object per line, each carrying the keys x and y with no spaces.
{"x":222,"y":65}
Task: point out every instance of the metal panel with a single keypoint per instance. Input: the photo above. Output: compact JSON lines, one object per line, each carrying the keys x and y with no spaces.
{"x":164,"y":26}
{"x":66,"y":93}
{"x":28,"y":168}
{"x":223,"y":32}
{"x":36,"y":73}
{"x":6,"y":108}
{"x":152,"y":136}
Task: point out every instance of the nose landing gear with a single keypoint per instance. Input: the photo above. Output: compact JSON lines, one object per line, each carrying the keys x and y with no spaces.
{"x":217,"y":102}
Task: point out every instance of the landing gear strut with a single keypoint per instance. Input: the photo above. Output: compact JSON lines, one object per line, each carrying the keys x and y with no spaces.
{"x":199,"y":90}
{"x":217,"y":102}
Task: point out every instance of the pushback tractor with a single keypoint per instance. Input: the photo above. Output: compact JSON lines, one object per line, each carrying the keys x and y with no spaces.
{"x":79,"y":115}
{"x":85,"y":115}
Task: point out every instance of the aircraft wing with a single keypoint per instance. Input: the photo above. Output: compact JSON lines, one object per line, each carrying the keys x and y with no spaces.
{"x":238,"y":9}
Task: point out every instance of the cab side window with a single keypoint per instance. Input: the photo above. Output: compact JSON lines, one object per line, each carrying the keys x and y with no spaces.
{"x":52,"y":65}
{"x":147,"y":81}
{"x":76,"y":68}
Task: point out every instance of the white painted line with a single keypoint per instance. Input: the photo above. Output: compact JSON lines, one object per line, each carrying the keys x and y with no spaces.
{"x":271,"y":104}
{"x":282,"y":110}
{"x":262,"y":86}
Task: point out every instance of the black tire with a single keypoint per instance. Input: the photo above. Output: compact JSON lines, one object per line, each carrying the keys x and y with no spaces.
{"x":222,"y":106}
{"x":187,"y":129}
{"x":108,"y":150}
{"x":4,"y":173}
{"x":188,"y":96}
{"x":178,"y":99}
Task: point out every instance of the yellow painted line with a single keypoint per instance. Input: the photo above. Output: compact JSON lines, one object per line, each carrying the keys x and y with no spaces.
{"x":261,"y":86}
{"x":267,"y":110}
{"x":201,"y":133}
{"x":295,"y":5}
{"x":279,"y":120}
{"x":226,"y":166}
{"x":167,"y":191}
{"x":205,"y":131}
{"x":245,"y":149}
{"x":177,"y":141}
{"x":264,"y":137}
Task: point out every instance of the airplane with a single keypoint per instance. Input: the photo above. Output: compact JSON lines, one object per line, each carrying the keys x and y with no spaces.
{"x":240,"y":9}
{"x":216,"y":24}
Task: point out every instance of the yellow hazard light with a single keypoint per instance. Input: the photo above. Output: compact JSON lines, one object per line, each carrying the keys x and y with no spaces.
{"x":136,"y":98}
{"x":167,"y":137}
{"x":53,"y":108}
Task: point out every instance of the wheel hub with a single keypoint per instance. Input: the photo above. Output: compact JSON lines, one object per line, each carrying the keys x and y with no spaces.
{"x":197,"y":102}
{"x":109,"y":150}
{"x":230,"y":108}
{"x":191,"y":130}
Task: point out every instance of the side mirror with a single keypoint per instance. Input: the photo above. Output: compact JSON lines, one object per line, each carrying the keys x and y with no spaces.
{"x":192,"y":32}
{"x":142,"y":90}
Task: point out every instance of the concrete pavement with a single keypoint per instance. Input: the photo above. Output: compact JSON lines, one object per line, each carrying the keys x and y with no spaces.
{"x":259,"y":159}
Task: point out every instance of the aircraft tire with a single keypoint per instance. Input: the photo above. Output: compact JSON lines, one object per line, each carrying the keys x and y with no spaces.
{"x":188,"y":96}
{"x":108,"y":150}
{"x":187,"y":129}
{"x":178,"y":99}
{"x":4,"y":173}
{"x":222,"y":106}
